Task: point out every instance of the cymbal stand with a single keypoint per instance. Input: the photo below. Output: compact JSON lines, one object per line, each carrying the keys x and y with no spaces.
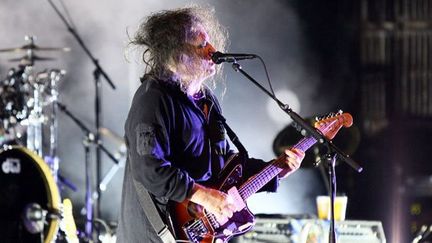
{"x":89,"y":140}
{"x":52,"y":158}
{"x":88,"y":198}
{"x":98,"y":111}
{"x":99,"y":71}
{"x":36,"y":119}
{"x":54,"y":94}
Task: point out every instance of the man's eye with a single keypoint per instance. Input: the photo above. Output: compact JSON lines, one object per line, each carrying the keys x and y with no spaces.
{"x":202,"y":45}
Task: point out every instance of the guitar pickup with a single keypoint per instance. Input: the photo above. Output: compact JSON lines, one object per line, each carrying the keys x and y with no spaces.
{"x":238,"y":200}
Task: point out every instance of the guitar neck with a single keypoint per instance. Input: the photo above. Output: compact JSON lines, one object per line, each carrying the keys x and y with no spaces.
{"x":257,"y":181}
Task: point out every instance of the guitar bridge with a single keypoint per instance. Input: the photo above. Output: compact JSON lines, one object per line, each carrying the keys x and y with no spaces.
{"x":195,"y":230}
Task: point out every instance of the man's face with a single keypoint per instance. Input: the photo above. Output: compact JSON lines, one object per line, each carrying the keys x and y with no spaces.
{"x":203,"y":50}
{"x":198,"y":62}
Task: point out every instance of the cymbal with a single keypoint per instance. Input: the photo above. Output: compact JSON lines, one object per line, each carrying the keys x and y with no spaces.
{"x":33,"y":47}
{"x":347,"y":140}
{"x":32,"y":58}
{"x":29,"y":60}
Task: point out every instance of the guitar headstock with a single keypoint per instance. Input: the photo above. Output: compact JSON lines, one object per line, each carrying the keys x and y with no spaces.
{"x":332,"y":123}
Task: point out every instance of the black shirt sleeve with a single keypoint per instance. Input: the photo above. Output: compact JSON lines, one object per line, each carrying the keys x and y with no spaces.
{"x":148,"y":140}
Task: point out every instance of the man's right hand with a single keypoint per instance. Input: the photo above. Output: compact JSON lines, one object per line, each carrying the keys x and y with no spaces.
{"x":216,"y":202}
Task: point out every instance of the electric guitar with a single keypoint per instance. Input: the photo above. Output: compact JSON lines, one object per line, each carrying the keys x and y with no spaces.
{"x":194,"y":224}
{"x":67,"y":224}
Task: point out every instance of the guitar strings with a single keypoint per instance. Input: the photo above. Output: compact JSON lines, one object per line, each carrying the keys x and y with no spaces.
{"x":200,"y":220}
{"x":265,"y":172}
{"x":211,"y":217}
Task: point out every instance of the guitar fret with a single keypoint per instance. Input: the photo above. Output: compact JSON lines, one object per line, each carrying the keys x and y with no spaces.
{"x":269,"y":172}
{"x":305,"y":143}
{"x":260,"y":180}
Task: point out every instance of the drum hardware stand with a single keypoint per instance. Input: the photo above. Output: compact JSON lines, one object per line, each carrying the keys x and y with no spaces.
{"x":98,"y":110}
{"x":333,"y":151}
{"x":121,"y":157}
{"x":37,"y":118}
{"x":90,"y":139}
{"x":35,"y":121}
{"x":52,"y":158}
{"x":97,"y":72}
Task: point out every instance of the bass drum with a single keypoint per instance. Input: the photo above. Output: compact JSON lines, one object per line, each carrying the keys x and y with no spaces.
{"x":30,"y":200}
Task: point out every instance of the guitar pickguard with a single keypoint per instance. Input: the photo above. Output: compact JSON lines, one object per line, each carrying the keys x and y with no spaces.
{"x":208,"y":227}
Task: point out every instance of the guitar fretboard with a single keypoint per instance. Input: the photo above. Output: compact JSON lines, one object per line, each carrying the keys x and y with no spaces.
{"x":256,"y":182}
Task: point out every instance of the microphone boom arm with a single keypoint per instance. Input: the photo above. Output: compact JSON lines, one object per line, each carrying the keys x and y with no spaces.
{"x":301,"y":122}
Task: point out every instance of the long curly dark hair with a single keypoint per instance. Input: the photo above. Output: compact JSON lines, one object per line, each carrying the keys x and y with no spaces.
{"x":162,"y":37}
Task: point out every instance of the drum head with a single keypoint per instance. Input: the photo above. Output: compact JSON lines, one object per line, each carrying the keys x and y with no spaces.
{"x":26,"y":182}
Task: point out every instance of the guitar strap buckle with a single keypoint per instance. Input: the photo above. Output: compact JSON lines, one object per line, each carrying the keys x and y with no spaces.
{"x":166,"y":235}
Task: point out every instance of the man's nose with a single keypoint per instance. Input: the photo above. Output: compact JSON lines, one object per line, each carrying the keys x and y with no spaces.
{"x":210,"y":50}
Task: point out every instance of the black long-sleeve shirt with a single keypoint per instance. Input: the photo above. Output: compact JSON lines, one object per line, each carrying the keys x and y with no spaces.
{"x":173,"y":142}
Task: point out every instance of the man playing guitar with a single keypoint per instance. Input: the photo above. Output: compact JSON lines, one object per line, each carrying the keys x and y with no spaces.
{"x":175,"y":137}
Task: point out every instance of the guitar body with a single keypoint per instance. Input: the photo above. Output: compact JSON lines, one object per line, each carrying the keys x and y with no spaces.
{"x":194,"y":225}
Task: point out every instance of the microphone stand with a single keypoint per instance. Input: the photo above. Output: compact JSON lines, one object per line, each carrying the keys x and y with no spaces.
{"x":97,"y":72}
{"x":331,"y":161}
{"x":89,"y":139}
{"x":332,"y":153}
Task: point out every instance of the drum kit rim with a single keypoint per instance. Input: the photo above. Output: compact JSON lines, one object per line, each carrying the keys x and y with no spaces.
{"x":28,"y":103}
{"x":24,"y":156}
{"x":25,"y":98}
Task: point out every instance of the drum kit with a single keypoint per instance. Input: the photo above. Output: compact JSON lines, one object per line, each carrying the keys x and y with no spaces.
{"x":31,"y":209}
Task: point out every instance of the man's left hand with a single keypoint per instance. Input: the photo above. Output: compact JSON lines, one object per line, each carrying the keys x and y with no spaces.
{"x":293,"y":159}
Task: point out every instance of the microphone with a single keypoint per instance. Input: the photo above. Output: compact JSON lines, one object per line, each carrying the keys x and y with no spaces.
{"x":219,"y":57}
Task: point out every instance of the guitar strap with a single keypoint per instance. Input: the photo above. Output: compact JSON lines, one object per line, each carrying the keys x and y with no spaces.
{"x":152,"y":213}
{"x":234,"y":139}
